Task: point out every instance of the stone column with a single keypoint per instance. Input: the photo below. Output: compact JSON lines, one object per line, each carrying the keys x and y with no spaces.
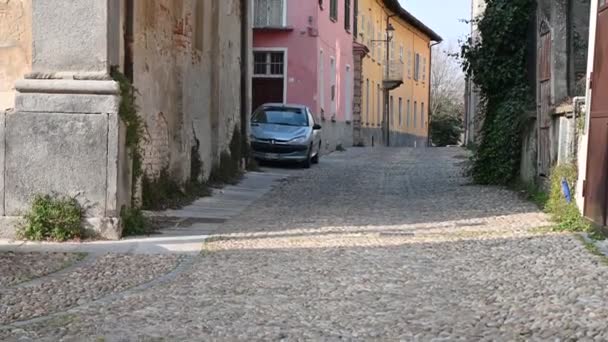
{"x":65,"y":136}
{"x":359,"y":52}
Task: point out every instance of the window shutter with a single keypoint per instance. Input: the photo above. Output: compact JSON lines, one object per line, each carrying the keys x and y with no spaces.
{"x":261,"y":12}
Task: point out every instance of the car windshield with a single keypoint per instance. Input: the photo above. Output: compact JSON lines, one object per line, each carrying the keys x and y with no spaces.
{"x":281,"y":116}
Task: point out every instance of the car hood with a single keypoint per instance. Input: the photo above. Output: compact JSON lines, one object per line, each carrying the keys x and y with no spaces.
{"x":278,"y":132}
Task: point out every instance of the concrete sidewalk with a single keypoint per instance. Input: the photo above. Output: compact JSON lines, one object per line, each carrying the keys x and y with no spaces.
{"x":184,"y":230}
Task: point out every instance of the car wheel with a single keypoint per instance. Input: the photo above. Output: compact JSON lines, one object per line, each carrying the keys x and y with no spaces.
{"x":317,"y":157}
{"x":308,"y":162}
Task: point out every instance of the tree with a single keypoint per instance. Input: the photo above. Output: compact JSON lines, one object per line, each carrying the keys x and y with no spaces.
{"x":447,"y":96}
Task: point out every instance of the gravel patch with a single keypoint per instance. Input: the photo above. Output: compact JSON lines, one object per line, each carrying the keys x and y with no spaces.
{"x":371,"y":245}
{"x":16,"y":268}
{"x":106,"y":275}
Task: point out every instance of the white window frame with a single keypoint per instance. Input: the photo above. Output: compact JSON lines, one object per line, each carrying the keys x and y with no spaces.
{"x":284,"y":21}
{"x":333,"y":89}
{"x":285,"y":66}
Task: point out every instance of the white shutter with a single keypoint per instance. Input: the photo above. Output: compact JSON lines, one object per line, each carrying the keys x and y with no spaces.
{"x":268,"y":13}
{"x":260,"y":13}
{"x":275,"y":13}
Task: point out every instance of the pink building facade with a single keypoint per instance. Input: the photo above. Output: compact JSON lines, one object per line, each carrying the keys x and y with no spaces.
{"x":303,"y":54}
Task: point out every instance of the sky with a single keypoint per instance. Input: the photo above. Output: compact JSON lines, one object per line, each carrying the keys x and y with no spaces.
{"x":442,"y":16}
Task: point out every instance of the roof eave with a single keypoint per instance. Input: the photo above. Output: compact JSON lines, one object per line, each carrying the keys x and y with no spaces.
{"x":394,"y":6}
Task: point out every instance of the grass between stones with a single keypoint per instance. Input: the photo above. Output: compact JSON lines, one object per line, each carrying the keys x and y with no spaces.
{"x":593,"y":248}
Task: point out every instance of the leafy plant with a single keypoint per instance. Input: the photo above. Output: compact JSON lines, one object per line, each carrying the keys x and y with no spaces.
{"x":134,"y":222}
{"x":53,"y":218}
{"x":445,"y":130}
{"x":567,"y":215}
{"x":128,"y":112}
{"x":496,"y":63}
{"x":228,"y":170}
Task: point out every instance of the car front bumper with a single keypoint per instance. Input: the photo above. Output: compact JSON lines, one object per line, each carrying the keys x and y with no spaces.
{"x":279,"y":152}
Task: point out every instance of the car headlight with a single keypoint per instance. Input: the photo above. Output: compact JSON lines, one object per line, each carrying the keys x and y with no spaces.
{"x":299,"y":140}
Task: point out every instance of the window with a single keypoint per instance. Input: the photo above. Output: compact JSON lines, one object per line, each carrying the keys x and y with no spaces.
{"x":269,"y":13}
{"x":415,"y":113}
{"x":422,"y":115}
{"x":417,"y":68}
{"x":333,"y":90}
{"x":367,"y":99}
{"x":424,"y":69}
{"x":362,"y":29}
{"x":370,"y":35}
{"x":392,"y":111}
{"x":379,"y":105}
{"x":379,"y":46}
{"x":401,"y":53}
{"x":392,"y":52}
{"x":400,"y":112}
{"x":371,"y":119}
{"x":409,"y":114}
{"x":348,"y":112}
{"x":321,"y":93}
{"x":370,"y":41}
{"x":333,"y":10}
{"x":347,"y":15}
{"x":409,"y":63}
{"x":268,"y":64}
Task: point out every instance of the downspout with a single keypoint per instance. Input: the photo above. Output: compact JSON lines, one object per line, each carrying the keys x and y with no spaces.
{"x":428,"y":125}
{"x":245,"y":77}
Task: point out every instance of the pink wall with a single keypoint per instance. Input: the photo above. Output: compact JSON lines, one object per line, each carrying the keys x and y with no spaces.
{"x":312,"y":31}
{"x":338,"y":43}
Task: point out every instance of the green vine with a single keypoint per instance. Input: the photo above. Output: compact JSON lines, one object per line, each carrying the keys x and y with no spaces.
{"x":496,"y":63}
{"x":133,"y":122}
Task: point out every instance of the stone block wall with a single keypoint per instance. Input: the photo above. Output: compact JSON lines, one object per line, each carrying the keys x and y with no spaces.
{"x":189,"y":80}
{"x":15,"y":47}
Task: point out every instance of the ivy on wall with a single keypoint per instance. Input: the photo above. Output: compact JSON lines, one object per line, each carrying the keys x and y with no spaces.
{"x":496,"y":63}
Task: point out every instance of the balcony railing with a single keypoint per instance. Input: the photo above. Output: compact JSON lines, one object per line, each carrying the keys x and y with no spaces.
{"x":395,"y":71}
{"x":394,"y":77}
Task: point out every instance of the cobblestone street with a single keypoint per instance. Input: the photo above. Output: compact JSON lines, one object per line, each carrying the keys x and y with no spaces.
{"x":384,"y":244}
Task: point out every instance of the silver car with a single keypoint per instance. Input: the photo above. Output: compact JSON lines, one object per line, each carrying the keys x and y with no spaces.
{"x":282,"y":132}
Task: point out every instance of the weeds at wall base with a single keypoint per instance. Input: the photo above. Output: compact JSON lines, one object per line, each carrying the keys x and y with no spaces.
{"x":53,"y":218}
{"x":566,"y":216}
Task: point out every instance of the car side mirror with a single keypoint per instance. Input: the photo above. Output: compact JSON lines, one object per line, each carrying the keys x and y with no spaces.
{"x":316,"y":127}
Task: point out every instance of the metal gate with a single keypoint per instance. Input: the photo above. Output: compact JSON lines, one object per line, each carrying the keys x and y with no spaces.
{"x":544,"y":120}
{"x":596,"y":185}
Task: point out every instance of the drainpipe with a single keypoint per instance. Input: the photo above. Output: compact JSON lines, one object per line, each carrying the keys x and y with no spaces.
{"x":428,"y":125}
{"x":245,"y":73}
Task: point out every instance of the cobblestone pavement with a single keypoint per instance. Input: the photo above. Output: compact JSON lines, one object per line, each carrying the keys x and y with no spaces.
{"x":17,"y":268}
{"x":383,"y":245}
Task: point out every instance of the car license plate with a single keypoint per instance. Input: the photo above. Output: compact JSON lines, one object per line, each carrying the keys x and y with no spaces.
{"x":272,"y":156}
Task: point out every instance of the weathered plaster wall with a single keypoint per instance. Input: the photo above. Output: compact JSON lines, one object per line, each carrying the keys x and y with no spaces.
{"x":187,"y":70}
{"x":15,"y":46}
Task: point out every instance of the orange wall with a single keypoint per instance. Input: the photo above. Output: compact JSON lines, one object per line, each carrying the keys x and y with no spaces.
{"x":417,"y":92}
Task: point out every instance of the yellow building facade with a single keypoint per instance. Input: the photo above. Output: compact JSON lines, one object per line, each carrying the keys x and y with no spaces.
{"x":408,"y":78}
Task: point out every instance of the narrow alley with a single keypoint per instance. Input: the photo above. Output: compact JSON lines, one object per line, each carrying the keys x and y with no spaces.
{"x":372,"y":244}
